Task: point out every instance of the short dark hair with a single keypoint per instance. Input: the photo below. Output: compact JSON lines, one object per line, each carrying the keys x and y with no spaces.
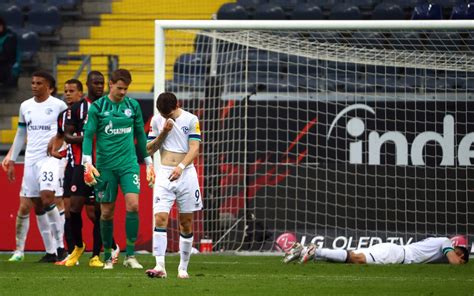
{"x":121,"y":74}
{"x":47,"y":76}
{"x":465,"y":252}
{"x":166,"y":102}
{"x":93,"y":73}
{"x":76,"y":82}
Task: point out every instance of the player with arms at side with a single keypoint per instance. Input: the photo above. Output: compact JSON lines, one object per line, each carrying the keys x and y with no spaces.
{"x":430,"y":250}
{"x":116,"y":120}
{"x":176,"y":133}
{"x":81,"y":194}
{"x":38,"y":123}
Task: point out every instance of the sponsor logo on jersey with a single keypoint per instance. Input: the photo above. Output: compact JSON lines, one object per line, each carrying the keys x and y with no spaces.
{"x":33,"y":127}
{"x":127,"y":112}
{"x":197,"y":128}
{"x":110,"y":130}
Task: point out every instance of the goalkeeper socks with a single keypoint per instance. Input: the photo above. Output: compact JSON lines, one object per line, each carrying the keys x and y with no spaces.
{"x":131,"y":231}
{"x":106,"y":231}
{"x":45,"y":231}
{"x":22,"y":226}
{"x":160,"y":241}
{"x":332,"y":255}
{"x":55,"y":223}
{"x":185,"y":248}
{"x":68,"y":235}
{"x":76,"y":227}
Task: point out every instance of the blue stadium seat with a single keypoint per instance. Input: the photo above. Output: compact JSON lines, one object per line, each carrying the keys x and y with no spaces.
{"x":409,"y":4}
{"x":287,"y":5}
{"x":12,"y":15}
{"x":345,"y":11}
{"x":362,"y":4}
{"x":28,"y":44}
{"x":63,"y":4}
{"x":388,"y":11}
{"x":232,"y":11}
{"x":427,"y":11}
{"x":324,"y":4}
{"x":190,"y":64}
{"x":307,"y":11}
{"x":269,"y":11}
{"x":25,"y":4}
{"x":251,"y":5}
{"x":44,"y":19}
{"x":459,"y":11}
{"x":448,"y":4}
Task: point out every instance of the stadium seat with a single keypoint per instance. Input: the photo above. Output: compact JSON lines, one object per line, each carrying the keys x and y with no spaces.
{"x":306,"y":11}
{"x":12,"y":15}
{"x":362,"y":4}
{"x":44,"y":19}
{"x":448,"y":4}
{"x":269,"y":11}
{"x":345,"y":11}
{"x":28,"y":44}
{"x":324,"y":4}
{"x":408,"y":4}
{"x":63,"y":4}
{"x":287,"y":5}
{"x":463,"y":11}
{"x":25,"y":4}
{"x":388,"y":11}
{"x":232,"y":11}
{"x":250,"y":5}
{"x":427,"y":11}
{"x":189,"y":69}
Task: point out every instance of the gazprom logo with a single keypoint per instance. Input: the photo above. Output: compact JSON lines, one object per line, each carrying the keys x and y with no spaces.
{"x":355,"y":127}
{"x":110,"y":130}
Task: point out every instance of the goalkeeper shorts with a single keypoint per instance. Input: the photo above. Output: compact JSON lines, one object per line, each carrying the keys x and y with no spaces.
{"x":107,"y":183}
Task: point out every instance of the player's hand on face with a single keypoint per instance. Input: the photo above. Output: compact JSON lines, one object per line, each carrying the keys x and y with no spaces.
{"x":175,"y":174}
{"x":11,"y":171}
{"x":168,"y":125}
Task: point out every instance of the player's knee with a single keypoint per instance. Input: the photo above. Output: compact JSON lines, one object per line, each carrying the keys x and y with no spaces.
{"x":186,"y":226}
{"x":356,"y":258}
{"x":161,"y":221}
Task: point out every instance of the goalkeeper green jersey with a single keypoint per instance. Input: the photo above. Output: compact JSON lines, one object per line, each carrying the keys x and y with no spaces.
{"x":115,"y":126}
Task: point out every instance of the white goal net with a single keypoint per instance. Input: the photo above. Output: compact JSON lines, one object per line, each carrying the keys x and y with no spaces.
{"x":347,"y":133}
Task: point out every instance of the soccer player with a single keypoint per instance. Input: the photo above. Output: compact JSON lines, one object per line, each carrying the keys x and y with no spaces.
{"x":72,"y":94}
{"x":38,"y":124}
{"x":116,"y":120}
{"x":430,"y":250}
{"x":176,"y":133}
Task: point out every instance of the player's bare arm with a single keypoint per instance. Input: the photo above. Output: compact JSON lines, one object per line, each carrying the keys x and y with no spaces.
{"x":455,"y":258}
{"x":155,"y":144}
{"x":69,"y":135}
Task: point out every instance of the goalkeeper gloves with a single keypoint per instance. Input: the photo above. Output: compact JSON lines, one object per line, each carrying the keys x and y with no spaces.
{"x":150,"y":172}
{"x":90,"y":172}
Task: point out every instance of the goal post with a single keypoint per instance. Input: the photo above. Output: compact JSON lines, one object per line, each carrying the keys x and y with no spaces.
{"x":347,"y":133}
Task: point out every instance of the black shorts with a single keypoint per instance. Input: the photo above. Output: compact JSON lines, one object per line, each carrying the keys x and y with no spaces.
{"x":79,"y":188}
{"x":67,"y":180}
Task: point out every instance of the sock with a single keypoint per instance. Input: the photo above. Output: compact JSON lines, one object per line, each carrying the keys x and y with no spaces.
{"x":68,"y":235}
{"x":97,"y":240}
{"x":106,"y":231}
{"x":55,"y":224}
{"x":160,"y":241}
{"x":22,"y":226}
{"x":76,"y":228}
{"x":332,"y":255}
{"x":131,"y":230}
{"x":62,"y":221}
{"x":185,"y":248}
{"x":45,"y":231}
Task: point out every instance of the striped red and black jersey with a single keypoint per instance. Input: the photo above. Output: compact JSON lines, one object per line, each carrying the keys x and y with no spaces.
{"x":77,"y":118}
{"x":61,"y":124}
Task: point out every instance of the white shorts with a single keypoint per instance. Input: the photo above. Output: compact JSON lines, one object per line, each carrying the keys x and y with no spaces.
{"x":384,"y":253}
{"x":43,"y":175}
{"x":61,"y":170}
{"x":185,"y":191}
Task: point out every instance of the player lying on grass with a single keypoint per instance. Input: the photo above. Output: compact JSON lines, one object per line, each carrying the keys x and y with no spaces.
{"x":430,"y":250}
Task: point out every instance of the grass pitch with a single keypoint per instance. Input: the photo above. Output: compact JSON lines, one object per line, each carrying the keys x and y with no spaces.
{"x":234,"y":275}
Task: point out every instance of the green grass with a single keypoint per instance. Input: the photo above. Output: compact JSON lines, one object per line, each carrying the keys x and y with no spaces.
{"x":235,"y":275}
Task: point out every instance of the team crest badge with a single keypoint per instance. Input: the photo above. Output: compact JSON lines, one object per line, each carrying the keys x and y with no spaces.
{"x":185,"y":130}
{"x":48,"y":111}
{"x":128,"y":112}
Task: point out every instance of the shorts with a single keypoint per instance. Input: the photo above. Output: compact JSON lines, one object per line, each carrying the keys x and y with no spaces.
{"x":385,"y":253}
{"x":78,"y":187}
{"x":185,"y":191}
{"x":67,"y":180}
{"x":61,"y":172}
{"x":107,"y":183}
{"x":40,"y":176}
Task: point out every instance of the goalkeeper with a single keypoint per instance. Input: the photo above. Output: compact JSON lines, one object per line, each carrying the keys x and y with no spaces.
{"x":116,"y":120}
{"x":431,"y":250}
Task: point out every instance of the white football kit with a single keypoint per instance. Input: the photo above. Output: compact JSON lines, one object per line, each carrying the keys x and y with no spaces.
{"x":40,"y":122}
{"x":185,"y":190}
{"x":429,"y":250}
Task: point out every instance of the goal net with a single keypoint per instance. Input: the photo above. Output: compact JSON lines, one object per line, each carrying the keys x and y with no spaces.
{"x":345,"y":133}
